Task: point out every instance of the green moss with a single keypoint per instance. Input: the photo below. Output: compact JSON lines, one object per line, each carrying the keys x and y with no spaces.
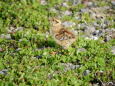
{"x":19,"y":54}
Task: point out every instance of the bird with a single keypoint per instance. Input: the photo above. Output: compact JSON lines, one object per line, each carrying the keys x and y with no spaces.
{"x":62,"y":36}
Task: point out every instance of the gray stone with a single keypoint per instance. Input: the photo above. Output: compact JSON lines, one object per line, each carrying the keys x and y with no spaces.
{"x":19,"y":28}
{"x":82,"y":25}
{"x":18,"y":49}
{"x":75,"y":2}
{"x":1,"y":49}
{"x":90,"y":4}
{"x":86,"y":72}
{"x":107,"y":38}
{"x":89,"y":29}
{"x":113,"y":50}
{"x":97,"y":84}
{"x":97,"y":33}
{"x":65,"y":4}
{"x":92,"y":38}
{"x":4,"y":71}
{"x":43,"y":2}
{"x":84,"y":10}
{"x":53,"y":10}
{"x":5,"y":36}
{"x":67,"y":12}
{"x":12,"y":29}
{"x":69,"y":66}
{"x":68,"y":24}
{"x":96,"y":24}
{"x":110,"y":84}
{"x":81,"y":50}
{"x":77,"y":18}
{"x":113,"y":3}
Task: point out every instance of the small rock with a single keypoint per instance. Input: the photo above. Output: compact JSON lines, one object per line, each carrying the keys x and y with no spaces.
{"x":97,"y":33}
{"x":4,"y":72}
{"x":20,"y":40}
{"x":13,"y":30}
{"x":18,"y":49}
{"x":107,"y":22}
{"x":43,"y":2}
{"x":19,"y":28}
{"x":83,"y":25}
{"x":90,"y":4}
{"x":77,"y":18}
{"x":7,"y":36}
{"x":97,"y":84}
{"x":107,"y":38}
{"x":68,"y":24}
{"x":95,"y":24}
{"x":67,"y":13}
{"x":81,"y":50}
{"x":94,"y":38}
{"x":113,"y":50}
{"x":93,"y":15}
{"x":84,"y":10}
{"x":89,"y":29}
{"x":75,"y":2}
{"x":66,"y":0}
{"x":103,"y":26}
{"x":53,"y":10}
{"x":65,"y":4}
{"x":113,"y":2}
{"x":110,"y":84}
{"x":91,"y":38}
{"x":86,"y":72}
{"x":1,"y":49}
{"x":69,"y":66}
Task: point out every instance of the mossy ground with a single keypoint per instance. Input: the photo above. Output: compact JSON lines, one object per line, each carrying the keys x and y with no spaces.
{"x":19,"y":55}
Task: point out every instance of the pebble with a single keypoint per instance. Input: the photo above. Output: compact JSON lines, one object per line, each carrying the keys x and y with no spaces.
{"x":68,"y":24}
{"x":77,"y":18}
{"x":4,"y":71}
{"x":75,"y":2}
{"x":19,"y":28}
{"x":18,"y":49}
{"x":86,"y":72}
{"x":107,"y":38}
{"x":83,"y":25}
{"x":97,"y":33}
{"x":81,"y":50}
{"x":113,"y":50}
{"x":65,"y":4}
{"x":1,"y":49}
{"x":97,"y":84}
{"x":89,"y":29}
{"x":92,"y":38}
{"x":113,"y":2}
{"x":67,"y":13}
{"x":53,"y":10}
{"x":12,"y":29}
{"x":69,"y":66}
{"x":84,"y":10}
{"x":110,"y":84}
{"x":95,"y":24}
{"x":43,"y":2}
{"x":90,"y":4}
{"x":5,"y":36}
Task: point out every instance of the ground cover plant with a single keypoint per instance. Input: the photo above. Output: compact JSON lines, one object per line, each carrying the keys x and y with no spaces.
{"x":30,"y":56}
